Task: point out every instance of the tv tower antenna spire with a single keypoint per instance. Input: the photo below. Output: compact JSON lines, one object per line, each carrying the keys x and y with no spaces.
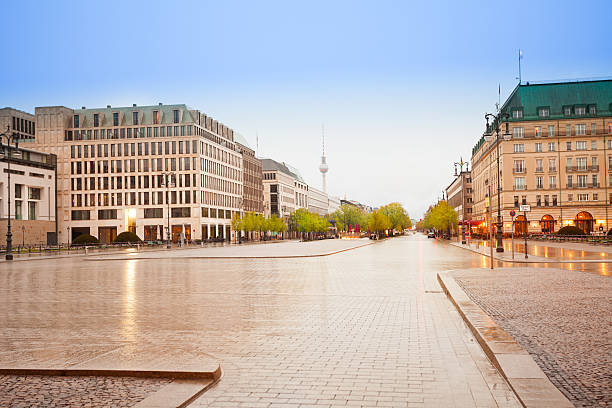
{"x":323,"y":168}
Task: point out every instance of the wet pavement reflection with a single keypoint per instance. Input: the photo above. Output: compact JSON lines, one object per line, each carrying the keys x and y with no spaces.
{"x":363,"y":323}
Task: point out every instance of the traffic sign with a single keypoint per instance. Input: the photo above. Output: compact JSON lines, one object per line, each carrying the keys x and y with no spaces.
{"x":525,"y":208}
{"x":512,"y":213}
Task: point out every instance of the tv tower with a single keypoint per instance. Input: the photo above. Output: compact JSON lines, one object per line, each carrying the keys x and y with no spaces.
{"x":323,"y":168}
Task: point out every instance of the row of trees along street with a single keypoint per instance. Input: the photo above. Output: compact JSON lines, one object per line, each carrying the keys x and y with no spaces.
{"x":251,"y":223}
{"x":387,"y":218}
{"x":441,"y":217}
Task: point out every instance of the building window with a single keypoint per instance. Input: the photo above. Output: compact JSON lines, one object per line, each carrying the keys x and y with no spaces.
{"x":552,"y":181}
{"x":593,"y":110}
{"x":580,"y":129}
{"x":539,"y":182}
{"x":567,"y":110}
{"x":554,"y":201}
{"x":181,"y":212}
{"x":115,"y":118}
{"x":568,"y":146}
{"x":551,"y":147}
{"x":538,"y":131}
{"x":519,"y":183}
{"x":580,"y":110}
{"x":107,"y":214}
{"x":538,"y":147}
{"x":552,"y":164}
{"x":18,"y":213}
{"x":539,"y":166}
{"x":583,"y":197}
{"x":519,"y":148}
{"x":551,"y":131}
{"x":538,"y":201}
{"x":519,"y":166}
{"x":156,"y":117}
{"x":593,"y":145}
{"x":546,"y":202}
{"x":568,"y":130}
{"x":593,"y":129}
{"x":134,"y":118}
{"x":175,"y":116}
{"x":154,"y":212}
{"x":96,"y":121}
{"x":517,"y":114}
{"x":582,"y":180}
{"x":570,"y":182}
{"x":594,"y":180}
{"x":517,"y":132}
{"x":581,"y":145}
{"x":76,"y":121}
{"x":544,"y":112}
{"x":516,"y":201}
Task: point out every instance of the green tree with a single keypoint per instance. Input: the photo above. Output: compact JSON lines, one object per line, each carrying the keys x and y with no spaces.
{"x":442,"y":217}
{"x":397,"y":215}
{"x":348,"y":216}
{"x":378,"y":222}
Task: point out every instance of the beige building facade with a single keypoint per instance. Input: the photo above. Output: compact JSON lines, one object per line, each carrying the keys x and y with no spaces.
{"x":141,"y":168}
{"x":555,"y":156}
{"x":459,"y":196}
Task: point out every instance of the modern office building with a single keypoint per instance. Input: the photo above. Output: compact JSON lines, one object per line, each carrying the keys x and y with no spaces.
{"x":140,"y":168}
{"x":333,"y":203}
{"x":284,"y":192}
{"x":32,"y":196}
{"x":555,"y":155}
{"x":252,"y":173}
{"x":318,"y":201}
{"x":21,"y":123}
{"x":459,"y":196}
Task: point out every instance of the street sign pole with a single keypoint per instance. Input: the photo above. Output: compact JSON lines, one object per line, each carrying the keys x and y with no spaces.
{"x":512,"y":214}
{"x":525,"y":209}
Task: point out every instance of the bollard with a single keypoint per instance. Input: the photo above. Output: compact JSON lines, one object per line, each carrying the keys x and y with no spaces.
{"x":86,"y":249}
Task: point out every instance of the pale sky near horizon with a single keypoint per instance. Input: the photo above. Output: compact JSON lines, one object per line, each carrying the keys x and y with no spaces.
{"x":401,"y":87}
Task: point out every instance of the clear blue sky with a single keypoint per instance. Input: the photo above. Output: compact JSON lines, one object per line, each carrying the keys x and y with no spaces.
{"x":401,"y":86}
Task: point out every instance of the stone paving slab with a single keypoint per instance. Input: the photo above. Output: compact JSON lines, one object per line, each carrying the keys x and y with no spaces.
{"x":366,"y":327}
{"x":527,"y":379}
{"x":561,"y":317}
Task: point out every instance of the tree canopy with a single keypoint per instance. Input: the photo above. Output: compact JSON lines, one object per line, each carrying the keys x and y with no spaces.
{"x":397,"y":215}
{"x":348,"y":216}
{"x":440,"y":217}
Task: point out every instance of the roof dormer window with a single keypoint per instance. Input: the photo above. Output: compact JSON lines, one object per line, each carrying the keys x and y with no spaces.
{"x":134,"y":118}
{"x":156,"y":117}
{"x":175,"y":116}
{"x":567,"y":110}
{"x":517,"y":113}
{"x":115,"y":118}
{"x":580,"y":110}
{"x":96,"y":119}
{"x":593,"y":110}
{"x":544,"y":112}
{"x":76,"y":121}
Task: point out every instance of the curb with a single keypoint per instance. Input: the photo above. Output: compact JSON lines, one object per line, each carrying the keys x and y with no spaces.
{"x":497,"y":258}
{"x":238,"y":257}
{"x":186,"y":386}
{"x":529,"y":383}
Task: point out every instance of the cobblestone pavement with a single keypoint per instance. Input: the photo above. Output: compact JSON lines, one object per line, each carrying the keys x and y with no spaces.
{"x":43,"y":392}
{"x":561,"y":317}
{"x":368,"y":327}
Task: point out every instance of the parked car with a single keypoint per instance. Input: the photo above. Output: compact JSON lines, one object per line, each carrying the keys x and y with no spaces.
{"x":430,"y":234}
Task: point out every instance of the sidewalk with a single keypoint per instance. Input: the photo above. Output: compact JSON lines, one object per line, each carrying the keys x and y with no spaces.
{"x":519,"y":257}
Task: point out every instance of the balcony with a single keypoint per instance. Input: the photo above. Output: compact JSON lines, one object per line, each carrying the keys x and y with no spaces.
{"x":519,"y":188}
{"x":552,"y":169}
{"x":539,"y":170}
{"x":578,"y":169}
{"x":583,"y":186}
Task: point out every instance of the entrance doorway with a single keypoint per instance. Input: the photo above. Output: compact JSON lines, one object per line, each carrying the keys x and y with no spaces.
{"x":520,"y":225}
{"x":584,"y":221}
{"x":107,"y":235}
{"x":548,"y":224}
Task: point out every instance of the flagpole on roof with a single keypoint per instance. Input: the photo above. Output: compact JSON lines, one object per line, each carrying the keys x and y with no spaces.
{"x":520,"y":56}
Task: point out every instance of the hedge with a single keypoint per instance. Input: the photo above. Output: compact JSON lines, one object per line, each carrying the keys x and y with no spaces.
{"x":85,"y":239}
{"x":127,"y":237}
{"x":570,"y":230}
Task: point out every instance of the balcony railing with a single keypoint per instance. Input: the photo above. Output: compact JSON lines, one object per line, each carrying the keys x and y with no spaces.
{"x":552,"y":169}
{"x":582,"y":186}
{"x":573,"y":169}
{"x":520,"y":188}
{"x":518,"y":170}
{"x":539,"y":169}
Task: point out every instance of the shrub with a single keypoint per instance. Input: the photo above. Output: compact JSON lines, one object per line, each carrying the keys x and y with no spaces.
{"x":85,"y":239}
{"x":128,"y":237}
{"x":570,"y":230}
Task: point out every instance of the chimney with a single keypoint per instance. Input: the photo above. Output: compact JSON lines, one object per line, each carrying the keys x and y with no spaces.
{"x":134,"y":105}
{"x":108,"y":106}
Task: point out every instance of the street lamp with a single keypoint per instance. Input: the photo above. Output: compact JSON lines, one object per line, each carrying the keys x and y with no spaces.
{"x":168,"y":182}
{"x":488,"y":136}
{"x":6,"y":150}
{"x":461,"y":164}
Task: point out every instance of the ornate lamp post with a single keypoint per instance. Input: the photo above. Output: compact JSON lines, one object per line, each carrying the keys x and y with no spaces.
{"x":461,"y":164}
{"x":488,"y":136}
{"x":6,"y":150}
{"x":168,"y":182}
